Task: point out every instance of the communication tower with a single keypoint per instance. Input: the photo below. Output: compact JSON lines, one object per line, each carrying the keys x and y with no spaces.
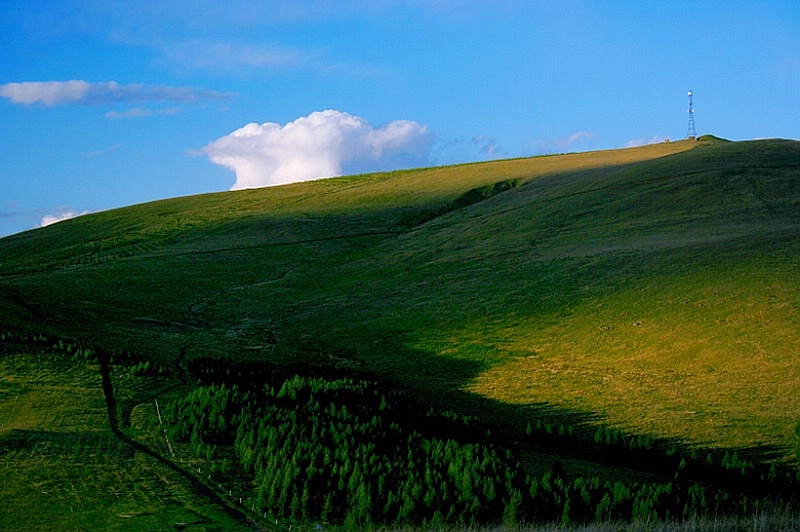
{"x":691,"y":133}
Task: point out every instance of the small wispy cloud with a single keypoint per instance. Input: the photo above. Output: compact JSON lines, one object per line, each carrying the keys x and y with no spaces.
{"x":134,"y":112}
{"x":467,"y":150}
{"x":63,"y":213}
{"x":570,"y":143}
{"x":138,"y":112}
{"x":488,"y":146}
{"x":101,"y":153}
{"x":644,"y":141}
{"x":9,"y":209}
{"x":51,"y":93}
{"x":248,"y":59}
{"x":322,"y":144}
{"x":575,"y":138}
{"x":220,"y":57}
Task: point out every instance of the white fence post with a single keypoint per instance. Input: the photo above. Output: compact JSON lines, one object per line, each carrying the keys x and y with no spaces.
{"x":169,"y":445}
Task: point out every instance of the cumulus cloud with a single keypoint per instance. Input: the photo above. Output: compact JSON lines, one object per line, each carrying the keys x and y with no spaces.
{"x":52,"y":93}
{"x":64,"y":213}
{"x":322,"y":144}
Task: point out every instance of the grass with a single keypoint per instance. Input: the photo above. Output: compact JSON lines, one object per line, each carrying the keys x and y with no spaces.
{"x":63,"y":468}
{"x":776,"y":522}
{"x":712,"y":362}
{"x":653,"y":289}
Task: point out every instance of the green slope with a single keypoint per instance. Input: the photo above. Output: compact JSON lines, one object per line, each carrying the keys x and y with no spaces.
{"x":61,"y":464}
{"x":656,"y":288}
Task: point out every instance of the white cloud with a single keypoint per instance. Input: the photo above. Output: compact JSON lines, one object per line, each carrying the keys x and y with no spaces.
{"x":134,"y":112}
{"x":247,"y":59}
{"x":227,"y":57}
{"x":322,"y":144}
{"x":62,"y":214}
{"x":138,"y":112}
{"x":577,"y":139}
{"x":644,"y":141}
{"x":52,"y":93}
{"x":101,"y":153}
{"x":467,"y":150}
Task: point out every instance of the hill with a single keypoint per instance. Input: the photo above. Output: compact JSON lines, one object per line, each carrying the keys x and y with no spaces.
{"x":654,"y":290}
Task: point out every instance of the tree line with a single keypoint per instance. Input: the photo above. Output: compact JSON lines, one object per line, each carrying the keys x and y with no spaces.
{"x":343,"y":450}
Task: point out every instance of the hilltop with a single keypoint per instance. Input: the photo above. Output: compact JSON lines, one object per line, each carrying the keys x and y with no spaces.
{"x":654,"y":290}
{"x":459,"y":274}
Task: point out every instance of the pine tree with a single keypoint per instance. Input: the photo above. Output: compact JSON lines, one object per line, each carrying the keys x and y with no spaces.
{"x":327,"y":512}
{"x":511,"y":512}
{"x":296,"y":507}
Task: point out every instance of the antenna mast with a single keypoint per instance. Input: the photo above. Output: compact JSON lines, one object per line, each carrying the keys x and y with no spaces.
{"x":691,"y":133}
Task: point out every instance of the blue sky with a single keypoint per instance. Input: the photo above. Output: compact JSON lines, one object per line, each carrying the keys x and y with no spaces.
{"x":109,"y":103}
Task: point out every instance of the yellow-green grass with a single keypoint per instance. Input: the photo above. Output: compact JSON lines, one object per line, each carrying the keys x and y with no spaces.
{"x":61,"y":466}
{"x":654,"y":289}
{"x":714,"y":361}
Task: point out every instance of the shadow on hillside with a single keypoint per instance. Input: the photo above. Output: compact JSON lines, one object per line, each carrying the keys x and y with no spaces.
{"x":433,"y":378}
{"x":54,"y":443}
{"x":759,"y":454}
{"x":198,"y":486}
{"x":545,"y":434}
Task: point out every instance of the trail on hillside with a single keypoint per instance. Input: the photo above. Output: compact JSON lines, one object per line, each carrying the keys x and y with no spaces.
{"x":200,"y":488}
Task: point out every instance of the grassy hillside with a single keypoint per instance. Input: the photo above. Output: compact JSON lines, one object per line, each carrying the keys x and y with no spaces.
{"x":233,"y":245}
{"x":63,"y":468}
{"x":653,"y":289}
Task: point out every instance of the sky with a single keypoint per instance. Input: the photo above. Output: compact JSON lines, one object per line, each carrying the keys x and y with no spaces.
{"x":110,"y":103}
